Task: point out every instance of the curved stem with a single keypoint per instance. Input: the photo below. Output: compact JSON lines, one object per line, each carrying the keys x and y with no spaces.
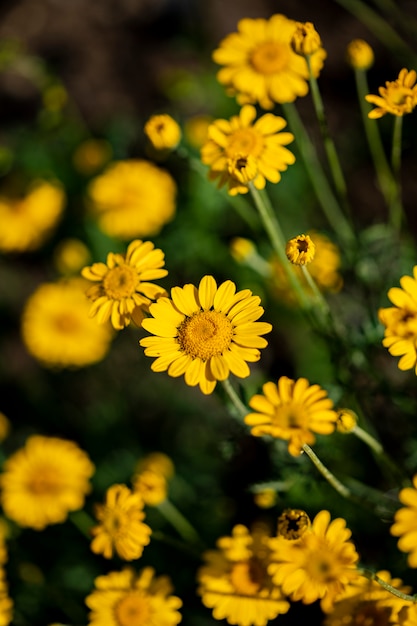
{"x":326,"y":473}
{"x":316,"y":291}
{"x":378,"y":450}
{"x":396,"y":592}
{"x":241,"y":409}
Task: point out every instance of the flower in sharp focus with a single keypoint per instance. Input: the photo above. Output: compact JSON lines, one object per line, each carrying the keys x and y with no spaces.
{"x":293,"y":523}
{"x":235,"y":583}
{"x":205,"y":333}
{"x":128,"y":599}
{"x":305,"y":40}
{"x":398,"y":97}
{"x":365,"y":602}
{"x":132,"y":198}
{"x":26,"y":222}
{"x":241,"y":150}
{"x":121,"y":528}
{"x":317,"y":566}
{"x":56,"y":328}
{"x":300,"y":250}
{"x":163,"y":132}
{"x":359,"y":54}
{"x":400,"y":321}
{"x":44,"y":481}
{"x":293,"y":411}
{"x":122,"y":291}
{"x":260,"y":65}
{"x":405,"y":523}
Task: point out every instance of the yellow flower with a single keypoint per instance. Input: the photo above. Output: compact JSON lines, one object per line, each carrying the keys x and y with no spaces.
{"x":70,"y":256}
{"x":132,"y":198}
{"x":157,"y":462}
{"x":366,"y":602}
{"x":121,"y":528}
{"x":4,"y":427}
{"x":91,"y":155}
{"x":400,"y":322}
{"x":260,"y":65}
{"x":151,"y":486}
{"x":26,"y":222}
{"x":398,"y":97}
{"x":300,"y":250}
{"x":242,"y":249}
{"x":305,"y":40}
{"x":6,"y":603}
{"x":293,"y":411}
{"x":317,"y":566}
{"x":234,"y":580}
{"x":45,"y":480}
{"x":205,"y":333}
{"x":122,"y":291}
{"x":405,"y":523}
{"x":265,"y":498}
{"x":56,"y":328}
{"x":241,"y":150}
{"x":408,"y":615}
{"x":346,"y":421}
{"x":195,"y":129}
{"x":163,"y":132}
{"x":360,"y":54}
{"x":292,"y":524}
{"x":126,"y":599}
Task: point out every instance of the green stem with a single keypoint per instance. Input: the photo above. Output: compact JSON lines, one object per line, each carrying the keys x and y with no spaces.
{"x":83,"y":521}
{"x":318,"y":179}
{"x":316,"y":291}
{"x":241,"y":409}
{"x":396,"y":592}
{"x":326,"y":473}
{"x":378,"y":450}
{"x":397,"y":214}
{"x":178,"y":521}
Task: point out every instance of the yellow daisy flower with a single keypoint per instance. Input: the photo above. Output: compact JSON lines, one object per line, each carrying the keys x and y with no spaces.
{"x":405,"y":523}
{"x":398,"y":97}
{"x":293,"y":523}
{"x":56,"y":328}
{"x":293,"y":411}
{"x":132,"y":198}
{"x":6,"y":603}
{"x":400,"y":322}
{"x":45,"y":480}
{"x":205,"y":333}
{"x":260,"y":65}
{"x":157,"y":462}
{"x":126,"y":599}
{"x":360,"y":55}
{"x":300,"y":250}
{"x":122,"y":291}
{"x":235,"y":583}
{"x":163,"y":132}
{"x":121,"y":528}
{"x":408,"y":615}
{"x":240,"y":150}
{"x":151,"y":486}
{"x":26,"y":222}
{"x":305,"y":39}
{"x":70,"y":255}
{"x":317,"y":566}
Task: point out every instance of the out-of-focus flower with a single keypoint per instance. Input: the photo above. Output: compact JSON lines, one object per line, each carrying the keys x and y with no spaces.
{"x":122,"y":291}
{"x":400,"y":322}
{"x":44,"y":481}
{"x":6,"y":603}
{"x":127,"y":599}
{"x":4,"y":426}
{"x":157,"y":462}
{"x":346,"y":420}
{"x":196,"y":128}
{"x":151,"y":486}
{"x":163,"y":132}
{"x":121,"y":528}
{"x":205,"y":333}
{"x":398,"y":97}
{"x":293,"y":411}
{"x":57,"y":330}
{"x":27,"y":222}
{"x":305,"y":40}
{"x":405,"y":523}
{"x":300,"y":250}
{"x":317,"y":566}
{"x":260,"y":65}
{"x":91,"y":156}
{"x":359,"y":54}
{"x":241,"y":149}
{"x":132,"y":198}
{"x":70,"y":255}
{"x":235,"y":583}
{"x":55,"y":97}
{"x":265,"y":498}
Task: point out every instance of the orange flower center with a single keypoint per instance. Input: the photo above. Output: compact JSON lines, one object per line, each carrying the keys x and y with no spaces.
{"x":133,"y":610}
{"x":398,"y":95}
{"x":46,"y":481}
{"x":205,"y":334}
{"x":244,"y":141}
{"x":270,"y":57}
{"x":247,"y":578}
{"x":66,"y":323}
{"x":290,"y":416}
{"x":120,"y":282}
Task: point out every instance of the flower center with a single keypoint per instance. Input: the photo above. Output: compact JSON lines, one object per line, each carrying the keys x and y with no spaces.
{"x":247,"y":578}
{"x":205,"y":334}
{"x":321,"y":566}
{"x":66,"y":323}
{"x":45,"y":481}
{"x":246,"y":141}
{"x":290,"y":416}
{"x":398,"y":96}
{"x":293,"y":523}
{"x":120,"y":282}
{"x":133,"y":610}
{"x":270,"y":57}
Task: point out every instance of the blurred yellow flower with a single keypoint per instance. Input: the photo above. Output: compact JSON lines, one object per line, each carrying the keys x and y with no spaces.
{"x":157,"y":462}
{"x":151,"y":486}
{"x":44,"y":481}
{"x":265,"y":498}
{"x":398,"y":97}
{"x":293,"y":411}
{"x":405,"y":522}
{"x":6,"y":603}
{"x":242,"y":149}
{"x":4,"y":426}
{"x":317,"y":566}
{"x":300,"y":250}
{"x":196,"y":128}
{"x":305,"y":40}
{"x":205,"y":333}
{"x":128,"y":599}
{"x":57,"y":330}
{"x":163,"y":132}
{"x":70,"y":255}
{"x":122,"y":291}
{"x":346,"y":421}
{"x":235,"y":583}
{"x":121,"y":528}
{"x":132,"y":198}
{"x":360,"y":54}
{"x":260,"y":65}
{"x":91,"y":156}
{"x":26,"y":222}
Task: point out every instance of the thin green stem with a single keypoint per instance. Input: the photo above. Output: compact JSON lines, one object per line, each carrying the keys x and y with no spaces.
{"x":396,"y":592}
{"x":179,"y":522}
{"x":378,"y":450}
{"x":241,"y":409}
{"x":397,"y":214}
{"x":326,"y":473}
{"x":324,"y":307}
